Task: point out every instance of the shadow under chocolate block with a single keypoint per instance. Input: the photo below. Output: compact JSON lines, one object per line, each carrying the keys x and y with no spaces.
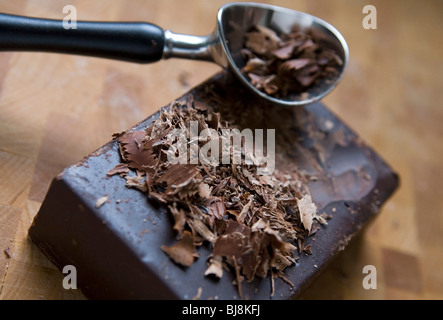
{"x":116,"y":246}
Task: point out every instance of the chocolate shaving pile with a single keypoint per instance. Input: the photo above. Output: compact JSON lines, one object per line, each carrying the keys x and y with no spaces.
{"x":285,"y":64}
{"x":250,"y":221}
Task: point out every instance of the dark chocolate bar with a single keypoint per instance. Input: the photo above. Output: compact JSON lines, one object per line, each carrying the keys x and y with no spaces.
{"x":113,"y":234}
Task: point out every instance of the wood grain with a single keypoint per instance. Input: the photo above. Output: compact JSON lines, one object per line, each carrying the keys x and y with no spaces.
{"x":55,"y":109}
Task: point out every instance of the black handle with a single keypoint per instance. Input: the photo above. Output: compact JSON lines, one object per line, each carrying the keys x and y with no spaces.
{"x":130,"y":41}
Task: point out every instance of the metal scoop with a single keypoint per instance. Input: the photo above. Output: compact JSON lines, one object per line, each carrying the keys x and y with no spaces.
{"x":146,"y":43}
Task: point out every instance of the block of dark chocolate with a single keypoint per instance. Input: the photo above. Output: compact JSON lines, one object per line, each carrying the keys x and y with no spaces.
{"x":137,"y":225}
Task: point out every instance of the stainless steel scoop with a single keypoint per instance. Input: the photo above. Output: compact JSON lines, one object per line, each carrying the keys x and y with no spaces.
{"x":146,"y":43}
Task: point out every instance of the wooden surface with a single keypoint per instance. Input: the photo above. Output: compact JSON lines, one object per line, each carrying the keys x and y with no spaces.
{"x":55,"y":109}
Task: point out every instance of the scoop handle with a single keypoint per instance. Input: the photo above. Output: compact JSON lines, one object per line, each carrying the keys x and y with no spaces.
{"x":139,"y":42}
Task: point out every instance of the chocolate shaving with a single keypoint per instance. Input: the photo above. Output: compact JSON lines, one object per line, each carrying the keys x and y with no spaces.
{"x":136,"y":152}
{"x":307,"y":211}
{"x":251,"y":220}
{"x":183,"y":251}
{"x":179,"y":218}
{"x":101,"y":201}
{"x":287,"y":64}
{"x":215,"y":267}
{"x":307,"y":249}
{"x":7,"y":252}
{"x":177,"y":177}
{"x":198,"y":294}
{"x":217,"y":208}
{"x":121,"y":168}
{"x":137,"y":182}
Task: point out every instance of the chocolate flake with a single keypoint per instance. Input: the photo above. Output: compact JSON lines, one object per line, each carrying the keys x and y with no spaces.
{"x":137,"y":182}
{"x":121,"y":168}
{"x":198,"y":294}
{"x":307,"y":211}
{"x":307,"y":249}
{"x":251,"y":220}
{"x":179,"y":219}
{"x":183,"y":251}
{"x":101,"y":201}
{"x":285,"y":64}
{"x":7,"y":252}
{"x":136,"y":152}
{"x":215,"y":267}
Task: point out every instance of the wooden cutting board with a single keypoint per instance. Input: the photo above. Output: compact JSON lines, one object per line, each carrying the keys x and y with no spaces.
{"x":55,"y":109}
